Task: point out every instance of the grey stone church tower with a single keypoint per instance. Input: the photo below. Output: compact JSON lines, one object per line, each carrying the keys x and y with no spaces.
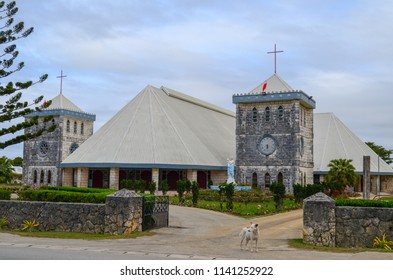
{"x":42,"y":156}
{"x":274,"y":135}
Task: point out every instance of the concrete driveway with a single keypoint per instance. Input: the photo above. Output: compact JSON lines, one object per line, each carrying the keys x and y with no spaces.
{"x":200,"y":234}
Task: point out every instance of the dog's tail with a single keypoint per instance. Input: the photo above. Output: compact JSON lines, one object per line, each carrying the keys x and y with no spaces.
{"x":243,"y":232}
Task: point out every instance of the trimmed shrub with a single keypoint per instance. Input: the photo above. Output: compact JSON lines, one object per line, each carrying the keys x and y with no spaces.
{"x":164,"y":187}
{"x":181,"y":187}
{"x":5,"y":195}
{"x":63,"y":196}
{"x":126,"y":184}
{"x":195,"y":192}
{"x":278,"y":190}
{"x":151,"y":187}
{"x":364,"y":203}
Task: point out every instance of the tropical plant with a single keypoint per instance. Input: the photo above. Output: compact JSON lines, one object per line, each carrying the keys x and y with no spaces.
{"x":382,"y":243}
{"x":3,"y":222}
{"x":13,"y":108}
{"x":29,"y":225}
{"x":6,"y":170}
{"x":341,"y":171}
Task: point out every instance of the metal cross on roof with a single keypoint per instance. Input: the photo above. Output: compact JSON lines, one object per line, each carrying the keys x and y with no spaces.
{"x":275,"y":57}
{"x":61,"y":81}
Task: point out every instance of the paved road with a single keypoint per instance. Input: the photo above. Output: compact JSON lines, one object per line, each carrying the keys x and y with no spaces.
{"x":192,"y":234}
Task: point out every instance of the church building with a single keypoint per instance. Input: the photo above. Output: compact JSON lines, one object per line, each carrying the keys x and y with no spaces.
{"x":162,"y":134}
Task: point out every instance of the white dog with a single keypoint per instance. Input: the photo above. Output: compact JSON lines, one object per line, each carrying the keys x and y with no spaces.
{"x":250,"y":234}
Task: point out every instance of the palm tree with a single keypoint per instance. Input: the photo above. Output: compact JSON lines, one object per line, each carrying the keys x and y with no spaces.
{"x":6,"y":170}
{"x":342,"y":171}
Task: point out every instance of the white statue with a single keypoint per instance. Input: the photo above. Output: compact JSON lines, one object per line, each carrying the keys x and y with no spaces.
{"x":231,"y":171}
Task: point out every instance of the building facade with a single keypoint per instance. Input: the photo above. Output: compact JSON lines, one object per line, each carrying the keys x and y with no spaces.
{"x":42,"y":156}
{"x":274,"y":135}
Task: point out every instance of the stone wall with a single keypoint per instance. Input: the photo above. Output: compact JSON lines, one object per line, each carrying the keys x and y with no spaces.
{"x":121,"y":214}
{"x":358,"y":226}
{"x":325,"y":224}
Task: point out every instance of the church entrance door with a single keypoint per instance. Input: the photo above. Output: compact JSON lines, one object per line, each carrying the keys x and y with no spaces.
{"x":122,"y":176}
{"x":202,"y":179}
{"x":98,"y":179}
{"x":172,"y":178}
{"x":146,"y":176}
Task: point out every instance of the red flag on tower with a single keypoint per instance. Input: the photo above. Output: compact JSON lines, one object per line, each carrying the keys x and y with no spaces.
{"x":264,"y":87}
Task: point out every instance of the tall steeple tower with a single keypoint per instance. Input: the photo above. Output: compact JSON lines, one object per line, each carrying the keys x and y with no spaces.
{"x":274,"y":135}
{"x":42,"y":156}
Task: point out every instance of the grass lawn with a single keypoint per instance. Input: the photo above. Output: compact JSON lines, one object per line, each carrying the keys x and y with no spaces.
{"x":298,"y":244}
{"x":75,"y":235}
{"x":246,"y":210}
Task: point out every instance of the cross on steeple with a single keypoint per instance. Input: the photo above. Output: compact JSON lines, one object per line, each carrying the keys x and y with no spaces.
{"x":61,"y":81}
{"x":275,"y":57}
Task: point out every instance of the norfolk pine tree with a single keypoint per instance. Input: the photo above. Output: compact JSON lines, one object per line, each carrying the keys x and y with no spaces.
{"x":11,"y":105}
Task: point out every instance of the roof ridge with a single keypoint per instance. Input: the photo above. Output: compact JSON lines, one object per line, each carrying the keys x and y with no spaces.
{"x":196,"y":101}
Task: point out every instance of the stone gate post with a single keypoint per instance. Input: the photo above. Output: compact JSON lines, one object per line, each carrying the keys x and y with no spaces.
{"x":123,"y":212}
{"x":319,"y":220}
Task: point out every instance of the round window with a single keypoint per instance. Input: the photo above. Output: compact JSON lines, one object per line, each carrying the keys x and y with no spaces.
{"x":43,"y":148}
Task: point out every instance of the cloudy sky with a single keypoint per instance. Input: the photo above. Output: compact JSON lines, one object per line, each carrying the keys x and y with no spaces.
{"x":340,"y":52}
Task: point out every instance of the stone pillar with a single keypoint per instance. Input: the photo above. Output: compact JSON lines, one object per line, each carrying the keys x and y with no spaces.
{"x":319,"y":220}
{"x":155,"y":176}
{"x":82,"y":177}
{"x":68,"y":174}
{"x":192,"y":175}
{"x":366,"y":177}
{"x":114,"y":178}
{"x":123,"y":212}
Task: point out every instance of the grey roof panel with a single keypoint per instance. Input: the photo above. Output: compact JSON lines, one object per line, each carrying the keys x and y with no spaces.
{"x":160,"y":128}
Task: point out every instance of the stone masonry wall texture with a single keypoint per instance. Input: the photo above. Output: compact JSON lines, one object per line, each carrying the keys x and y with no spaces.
{"x":325,"y":224}
{"x":121,"y":214}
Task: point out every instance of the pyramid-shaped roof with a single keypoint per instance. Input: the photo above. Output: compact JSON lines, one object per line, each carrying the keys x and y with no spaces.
{"x":63,"y":103}
{"x":273,"y":84}
{"x":161,"y":128}
{"x":334,"y":140}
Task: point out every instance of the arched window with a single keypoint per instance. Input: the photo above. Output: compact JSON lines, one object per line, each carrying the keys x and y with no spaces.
{"x":68,"y":125}
{"x":267,"y":114}
{"x":35,"y":177}
{"x":267,"y":180}
{"x":82,"y":128}
{"x":280,"y":178}
{"x":49,"y":177}
{"x":280,"y":113}
{"x":42,"y":177}
{"x":254,"y":115}
{"x":254,"y":180}
{"x":75,"y":127}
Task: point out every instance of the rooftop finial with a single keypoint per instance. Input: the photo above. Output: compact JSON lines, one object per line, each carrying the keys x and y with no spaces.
{"x":275,"y":57}
{"x":61,"y":81}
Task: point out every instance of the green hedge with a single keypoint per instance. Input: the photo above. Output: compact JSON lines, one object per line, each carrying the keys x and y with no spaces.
{"x":239,"y":196}
{"x":5,"y":195}
{"x":79,"y":190}
{"x":63,"y":196}
{"x":364,"y":203}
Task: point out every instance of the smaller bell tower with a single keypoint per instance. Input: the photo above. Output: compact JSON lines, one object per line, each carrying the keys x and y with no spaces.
{"x":42,"y":155}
